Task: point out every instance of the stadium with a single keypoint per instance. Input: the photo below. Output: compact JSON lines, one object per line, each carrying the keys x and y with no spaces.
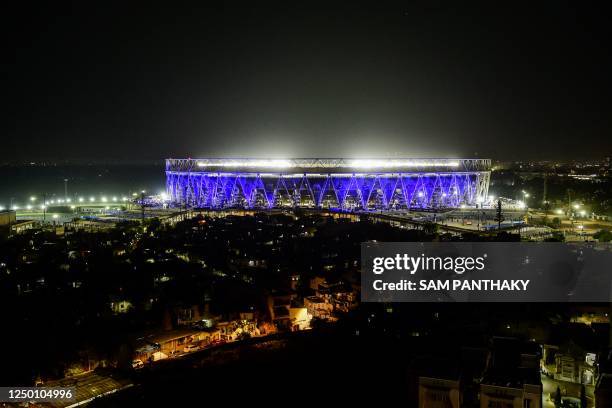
{"x":342,"y":184}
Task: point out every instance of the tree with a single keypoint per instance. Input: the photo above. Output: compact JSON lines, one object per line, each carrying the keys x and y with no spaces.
{"x":603,"y":235}
{"x":558,"y":397}
{"x":499,"y":215}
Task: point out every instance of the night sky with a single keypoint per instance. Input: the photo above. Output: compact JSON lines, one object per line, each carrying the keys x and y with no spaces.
{"x":111,"y":81}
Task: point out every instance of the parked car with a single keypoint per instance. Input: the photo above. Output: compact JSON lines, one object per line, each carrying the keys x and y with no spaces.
{"x":191,"y":347}
{"x":136,"y":364}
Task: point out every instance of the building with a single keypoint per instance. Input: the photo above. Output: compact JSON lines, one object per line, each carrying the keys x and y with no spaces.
{"x":439,"y":393}
{"x":7,"y":220}
{"x":512,"y":378}
{"x":344,"y":184}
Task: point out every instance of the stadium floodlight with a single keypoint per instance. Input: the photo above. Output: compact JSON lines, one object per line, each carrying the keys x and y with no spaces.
{"x":385,"y":164}
{"x":81,"y":199}
{"x":276,"y":164}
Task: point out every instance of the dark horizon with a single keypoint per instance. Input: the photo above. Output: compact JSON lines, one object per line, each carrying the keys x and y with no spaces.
{"x":119,"y":83}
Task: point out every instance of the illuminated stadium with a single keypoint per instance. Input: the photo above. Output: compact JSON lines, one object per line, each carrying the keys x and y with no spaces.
{"x":343,"y":184}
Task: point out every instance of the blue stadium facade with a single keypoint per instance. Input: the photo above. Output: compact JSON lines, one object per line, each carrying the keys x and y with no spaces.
{"x":343,"y":184}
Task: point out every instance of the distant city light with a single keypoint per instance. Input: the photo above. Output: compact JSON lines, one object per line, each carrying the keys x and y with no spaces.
{"x":72,"y":207}
{"x":559,"y":211}
{"x":92,"y":199}
{"x":1,"y":208}
{"x":28,"y":207}
{"x":163,"y":196}
{"x":42,"y":207}
{"x":103,"y":199}
{"x":582,"y":213}
{"x":114,"y":198}
{"x":420,"y":194}
{"x":52,"y":202}
{"x":55,"y":216}
{"x":81,"y":199}
{"x":68,"y":200}
{"x":576,"y":206}
{"x":33,"y":198}
{"x":520,"y":204}
{"x":15,"y":207}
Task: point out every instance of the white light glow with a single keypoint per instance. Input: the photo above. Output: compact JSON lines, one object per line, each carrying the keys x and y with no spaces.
{"x":367,"y":164}
{"x":249,"y":163}
{"x":81,"y":199}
